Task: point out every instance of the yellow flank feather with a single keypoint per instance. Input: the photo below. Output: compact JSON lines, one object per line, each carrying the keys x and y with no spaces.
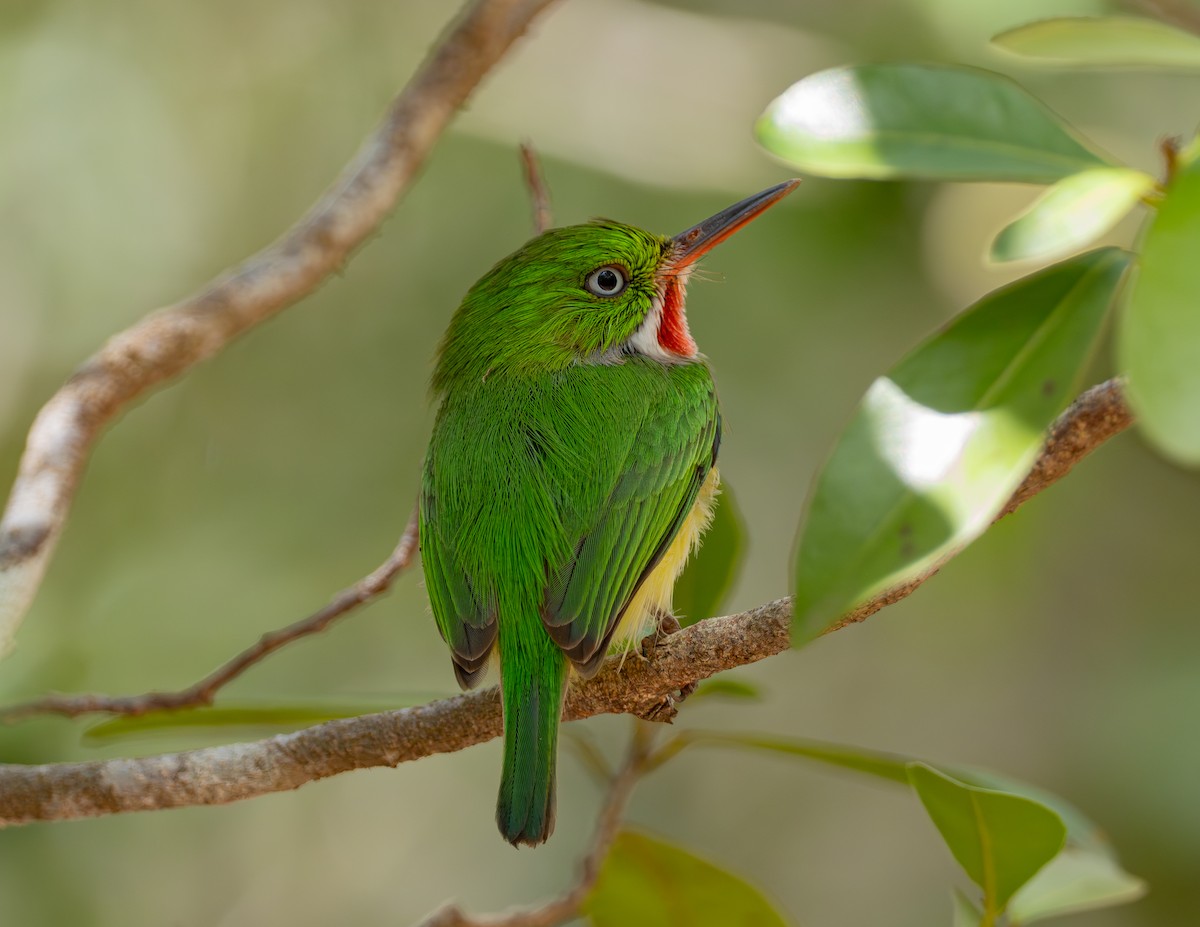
{"x":654,"y":596}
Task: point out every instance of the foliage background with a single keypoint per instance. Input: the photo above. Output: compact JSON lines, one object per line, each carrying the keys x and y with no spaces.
{"x":147,"y":145}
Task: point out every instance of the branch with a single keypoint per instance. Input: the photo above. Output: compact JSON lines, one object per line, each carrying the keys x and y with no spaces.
{"x":1097,"y":415}
{"x":539,"y":194}
{"x":371,"y":586}
{"x":218,"y":775}
{"x":169,"y":342}
{"x":366,"y":589}
{"x":640,"y":761}
{"x":1179,"y":13}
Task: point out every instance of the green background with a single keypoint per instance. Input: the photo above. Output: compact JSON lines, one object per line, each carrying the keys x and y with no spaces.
{"x":147,"y":145}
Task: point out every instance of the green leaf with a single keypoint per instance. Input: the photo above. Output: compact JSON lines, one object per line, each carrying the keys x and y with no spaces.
{"x":724,"y":687}
{"x":939,"y":444}
{"x":1071,"y":213}
{"x":1158,"y":343}
{"x":872,"y":762}
{"x":651,"y":883}
{"x":701,"y":589}
{"x":925,"y":121}
{"x":999,"y":839}
{"x":965,"y":912}
{"x":1103,"y":41}
{"x":234,"y":715}
{"x":1075,"y":880}
{"x":1085,"y":874}
{"x":1082,"y":832}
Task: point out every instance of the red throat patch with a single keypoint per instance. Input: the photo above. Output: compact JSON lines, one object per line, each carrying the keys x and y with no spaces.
{"x":673,"y":334}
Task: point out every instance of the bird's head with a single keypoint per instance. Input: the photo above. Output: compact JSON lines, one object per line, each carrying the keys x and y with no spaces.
{"x":586,"y":294}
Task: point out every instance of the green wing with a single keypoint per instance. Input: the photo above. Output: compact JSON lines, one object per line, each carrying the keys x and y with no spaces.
{"x":654,"y":490}
{"x":545,"y":502}
{"x":467,"y":621}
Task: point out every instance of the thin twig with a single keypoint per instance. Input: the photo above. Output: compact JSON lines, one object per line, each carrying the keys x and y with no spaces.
{"x":1181,"y":13}
{"x":371,"y":586}
{"x":567,"y":905}
{"x":539,"y":193}
{"x":171,"y":341}
{"x":218,"y":775}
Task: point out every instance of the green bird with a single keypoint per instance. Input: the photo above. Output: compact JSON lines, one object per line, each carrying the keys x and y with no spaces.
{"x":570,"y":473}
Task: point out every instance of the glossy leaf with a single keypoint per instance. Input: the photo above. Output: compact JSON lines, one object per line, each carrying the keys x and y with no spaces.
{"x":910,"y":120}
{"x":1075,"y":880}
{"x":1103,"y":41}
{"x":1158,"y":344}
{"x":1072,"y":213}
{"x":939,"y":444}
{"x":712,"y":570}
{"x":999,"y":839}
{"x":652,"y":883}
{"x":227,"y":715}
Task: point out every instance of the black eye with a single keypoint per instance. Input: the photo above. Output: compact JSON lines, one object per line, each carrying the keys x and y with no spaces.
{"x":607,"y":281}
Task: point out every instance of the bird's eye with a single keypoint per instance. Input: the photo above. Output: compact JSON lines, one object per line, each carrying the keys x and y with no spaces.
{"x":607,"y":281}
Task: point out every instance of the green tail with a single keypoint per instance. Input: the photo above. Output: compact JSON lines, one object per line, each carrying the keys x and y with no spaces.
{"x":532,"y":697}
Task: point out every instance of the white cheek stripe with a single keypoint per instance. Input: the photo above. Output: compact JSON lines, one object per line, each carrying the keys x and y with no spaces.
{"x":645,"y":340}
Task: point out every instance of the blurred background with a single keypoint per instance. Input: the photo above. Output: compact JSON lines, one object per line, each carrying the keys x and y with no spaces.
{"x":148,"y":145}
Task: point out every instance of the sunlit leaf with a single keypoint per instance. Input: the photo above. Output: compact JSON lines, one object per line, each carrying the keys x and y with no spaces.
{"x":701,"y":590}
{"x":1158,"y":343}
{"x":1075,"y":880}
{"x":1103,"y":41}
{"x":999,"y":839}
{"x":726,"y":688}
{"x":965,"y":912}
{"x":268,"y":715}
{"x":651,"y":883}
{"x":1072,"y":213}
{"x":910,"y":120}
{"x":939,"y":444}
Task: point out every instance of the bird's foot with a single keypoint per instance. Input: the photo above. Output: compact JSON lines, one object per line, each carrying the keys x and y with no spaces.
{"x":663,"y":711}
{"x":665,"y":625}
{"x":667,"y":708}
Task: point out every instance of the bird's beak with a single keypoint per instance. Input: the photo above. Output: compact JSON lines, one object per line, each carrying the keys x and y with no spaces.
{"x":697,"y":241}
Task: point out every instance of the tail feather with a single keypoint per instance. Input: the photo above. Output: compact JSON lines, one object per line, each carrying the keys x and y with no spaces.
{"x":532,"y":711}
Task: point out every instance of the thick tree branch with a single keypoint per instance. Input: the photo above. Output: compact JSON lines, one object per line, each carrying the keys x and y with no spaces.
{"x":223,"y":774}
{"x":169,"y":342}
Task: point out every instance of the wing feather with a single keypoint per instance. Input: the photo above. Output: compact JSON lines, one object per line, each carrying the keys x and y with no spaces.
{"x":549,"y":500}
{"x":655,"y":489}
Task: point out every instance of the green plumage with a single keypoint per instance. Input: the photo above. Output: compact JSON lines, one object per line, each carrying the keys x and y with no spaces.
{"x":569,"y":448}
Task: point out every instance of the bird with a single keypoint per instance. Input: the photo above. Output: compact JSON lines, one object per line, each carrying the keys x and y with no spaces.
{"x":570,"y":472}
